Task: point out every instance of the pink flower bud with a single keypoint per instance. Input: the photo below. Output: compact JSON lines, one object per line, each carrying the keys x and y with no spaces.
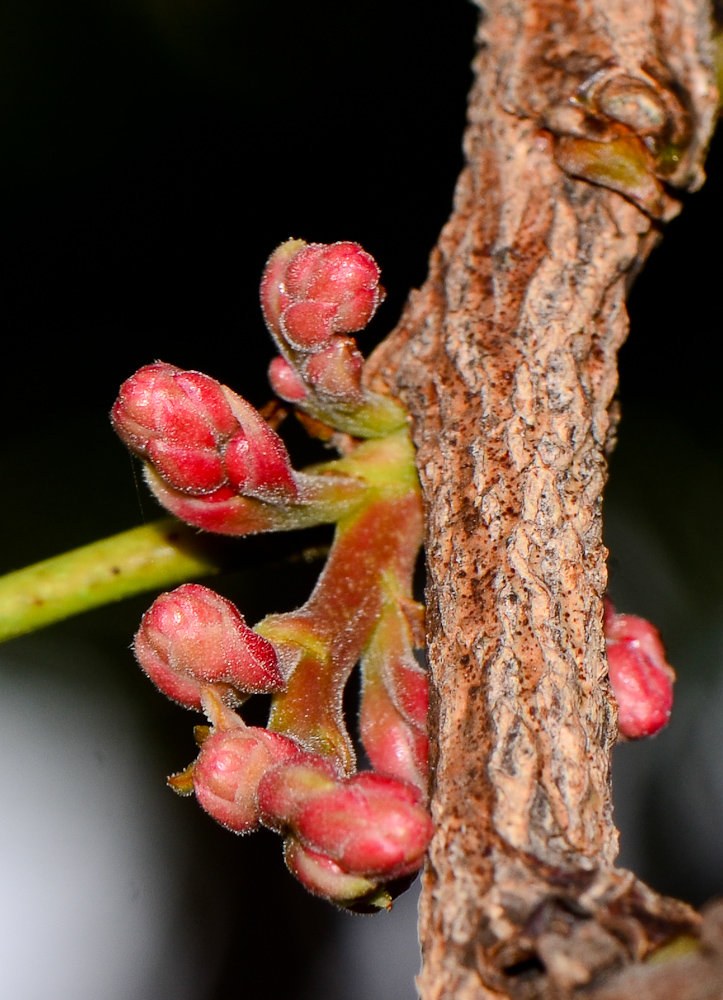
{"x":287,"y":788}
{"x":274,"y":297}
{"x":393,"y":746}
{"x":229,"y":768}
{"x":176,"y":420}
{"x":309,"y":325}
{"x":322,"y":876}
{"x":641,"y":678}
{"x":256,"y":458}
{"x":192,"y":637}
{"x":339,"y":274}
{"x":201,"y":437}
{"x":410,"y":686}
{"x":336,"y":370}
{"x":337,"y":282}
{"x":368,"y":824}
{"x":285,"y":382}
{"x":393,"y":714}
{"x":313,"y":295}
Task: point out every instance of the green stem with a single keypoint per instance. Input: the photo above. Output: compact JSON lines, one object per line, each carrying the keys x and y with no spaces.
{"x":156,"y":555}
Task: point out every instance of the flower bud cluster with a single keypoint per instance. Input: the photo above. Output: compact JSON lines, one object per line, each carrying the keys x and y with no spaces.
{"x":200,"y":437}
{"x":313,"y":296}
{"x":344,"y":835}
{"x":640,"y":676}
{"x":351,"y":837}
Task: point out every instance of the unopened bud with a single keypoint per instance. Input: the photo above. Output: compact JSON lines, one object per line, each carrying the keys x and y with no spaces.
{"x":201,"y":437}
{"x":336,"y":370}
{"x":395,"y":696}
{"x":229,"y":768}
{"x":313,"y":296}
{"x":192,"y":637}
{"x":312,"y":291}
{"x":368,"y":824}
{"x":256,"y":458}
{"x":176,"y":420}
{"x":321,"y":875}
{"x":393,"y":746}
{"x":286,"y":789}
{"x":641,"y":678}
{"x":285,"y":382}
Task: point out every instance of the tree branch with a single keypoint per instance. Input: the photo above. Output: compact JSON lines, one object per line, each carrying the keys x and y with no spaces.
{"x":584,"y":117}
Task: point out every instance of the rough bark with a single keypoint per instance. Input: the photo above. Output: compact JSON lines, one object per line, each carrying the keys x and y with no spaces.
{"x":584,"y":119}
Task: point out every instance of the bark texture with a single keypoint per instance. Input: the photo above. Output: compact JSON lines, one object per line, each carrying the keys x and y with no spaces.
{"x":585,"y":117}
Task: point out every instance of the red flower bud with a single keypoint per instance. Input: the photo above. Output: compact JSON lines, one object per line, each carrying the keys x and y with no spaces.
{"x":286,"y":789}
{"x":641,"y":678}
{"x":311,"y":291}
{"x":201,"y":437}
{"x":308,"y":326}
{"x":393,"y":746}
{"x":368,"y":824}
{"x":192,"y":637}
{"x":342,"y":274}
{"x":313,"y":295}
{"x":336,"y":370}
{"x":229,"y":768}
{"x":257,"y":461}
{"x":176,"y":419}
{"x":395,"y":696}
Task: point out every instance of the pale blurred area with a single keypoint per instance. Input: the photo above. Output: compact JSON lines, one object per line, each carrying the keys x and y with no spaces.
{"x":93,"y":861}
{"x":113,"y":887}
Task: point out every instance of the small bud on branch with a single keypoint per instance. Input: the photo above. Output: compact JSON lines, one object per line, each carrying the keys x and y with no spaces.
{"x":322,"y":876}
{"x":313,"y":296}
{"x":368,"y":824}
{"x":230,"y":767}
{"x":201,"y":437}
{"x":640,"y":676}
{"x":192,"y":637}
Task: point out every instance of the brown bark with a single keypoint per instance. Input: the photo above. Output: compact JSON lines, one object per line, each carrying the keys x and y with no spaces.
{"x":584,"y":118}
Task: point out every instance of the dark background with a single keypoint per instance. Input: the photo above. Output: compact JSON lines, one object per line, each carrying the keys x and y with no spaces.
{"x":153,"y":154}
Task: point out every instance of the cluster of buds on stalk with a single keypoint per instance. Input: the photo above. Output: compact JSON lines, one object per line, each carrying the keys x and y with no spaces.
{"x":314,"y":296}
{"x":352,"y":837}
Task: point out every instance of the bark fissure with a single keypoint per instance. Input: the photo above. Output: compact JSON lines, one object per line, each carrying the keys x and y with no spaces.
{"x":506,"y":359}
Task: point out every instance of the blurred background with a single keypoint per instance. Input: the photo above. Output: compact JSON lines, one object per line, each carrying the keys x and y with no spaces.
{"x":153,"y":154}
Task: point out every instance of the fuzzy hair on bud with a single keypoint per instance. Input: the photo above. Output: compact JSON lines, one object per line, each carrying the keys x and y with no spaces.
{"x":368,"y":824}
{"x":640,"y":676}
{"x":200,"y":437}
{"x":323,"y":876}
{"x":285,"y":382}
{"x":393,"y":746}
{"x":337,"y":369}
{"x":314,"y":295}
{"x":228,"y":771}
{"x":312,"y":291}
{"x":177,"y":420}
{"x":192,"y":637}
